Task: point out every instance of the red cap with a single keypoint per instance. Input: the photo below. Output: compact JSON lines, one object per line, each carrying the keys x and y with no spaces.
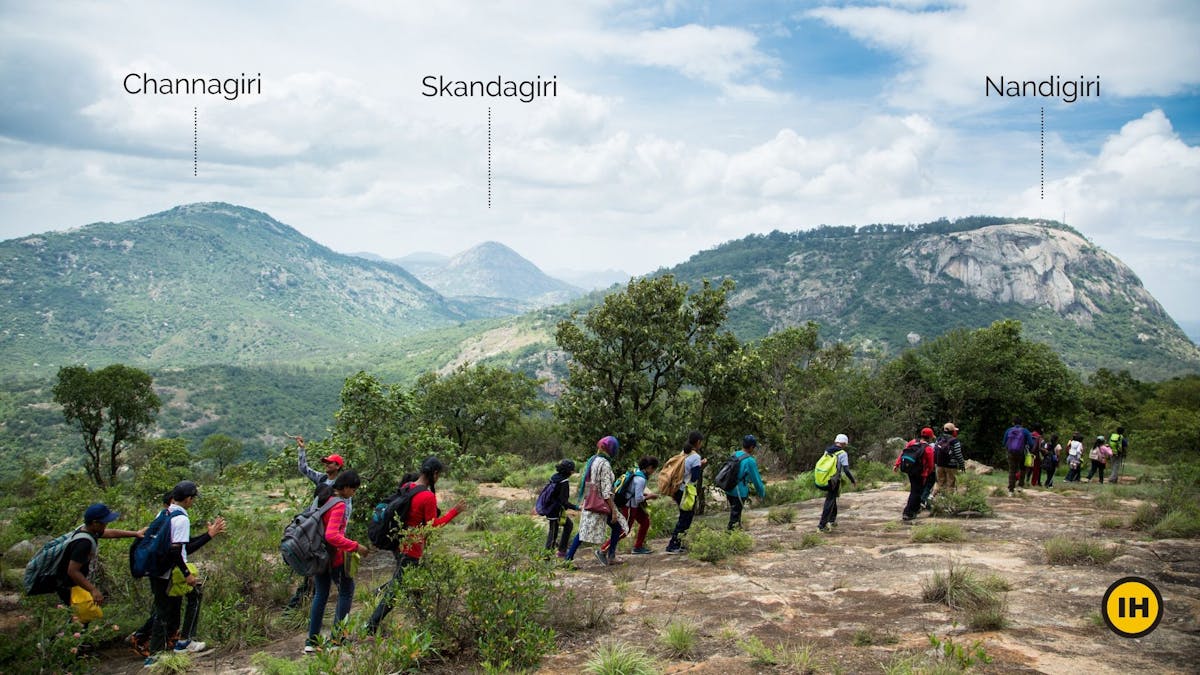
{"x":336,"y":459}
{"x":927,"y":433}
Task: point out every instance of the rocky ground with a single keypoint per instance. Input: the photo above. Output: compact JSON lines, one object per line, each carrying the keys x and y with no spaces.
{"x":865,"y":579}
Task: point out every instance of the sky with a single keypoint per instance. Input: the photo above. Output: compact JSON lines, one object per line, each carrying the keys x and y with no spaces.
{"x":676,"y":125}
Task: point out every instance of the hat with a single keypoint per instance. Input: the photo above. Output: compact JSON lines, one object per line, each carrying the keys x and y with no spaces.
{"x":949,"y":426}
{"x":1100,"y":438}
{"x":565,"y":467}
{"x":99,"y":513}
{"x":749,"y":441}
{"x":841,"y":438}
{"x":334,"y":459}
{"x":927,"y":433}
{"x":184,"y":490}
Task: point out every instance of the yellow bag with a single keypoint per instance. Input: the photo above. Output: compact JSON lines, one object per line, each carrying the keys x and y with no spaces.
{"x":1029,"y":459}
{"x":688,"y":502}
{"x":179,"y":585}
{"x":85,"y":608}
{"x":353,"y":558}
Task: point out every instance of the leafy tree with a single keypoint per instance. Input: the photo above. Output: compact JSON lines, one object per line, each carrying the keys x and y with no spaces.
{"x":222,"y":450}
{"x":1167,"y":427}
{"x":631,"y":357}
{"x":118,"y":401}
{"x":476,"y":404}
{"x":158,"y":464}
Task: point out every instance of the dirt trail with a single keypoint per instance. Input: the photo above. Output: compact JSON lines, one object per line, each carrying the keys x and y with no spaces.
{"x":867,"y":576}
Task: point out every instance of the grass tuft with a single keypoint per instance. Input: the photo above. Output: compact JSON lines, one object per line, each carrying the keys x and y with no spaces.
{"x":937,"y":532}
{"x":1072,"y":551}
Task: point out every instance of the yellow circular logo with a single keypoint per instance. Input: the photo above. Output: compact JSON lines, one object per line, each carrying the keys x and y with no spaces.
{"x":1132,"y":607}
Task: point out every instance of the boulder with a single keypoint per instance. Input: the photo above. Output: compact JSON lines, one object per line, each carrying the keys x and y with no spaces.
{"x":979,"y":469}
{"x":20,"y":553}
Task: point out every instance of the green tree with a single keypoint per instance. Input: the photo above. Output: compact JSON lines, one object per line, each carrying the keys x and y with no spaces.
{"x":476,"y":404}
{"x":158,"y":464}
{"x":222,"y":450}
{"x":630,"y":359}
{"x":111,"y":407}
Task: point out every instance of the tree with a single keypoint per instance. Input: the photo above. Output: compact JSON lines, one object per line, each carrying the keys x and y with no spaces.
{"x":118,"y":401}
{"x":630,"y":359}
{"x":222,"y":450}
{"x":475,"y":404}
{"x":157,"y":465}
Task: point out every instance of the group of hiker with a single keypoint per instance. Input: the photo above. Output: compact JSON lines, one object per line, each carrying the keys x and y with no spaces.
{"x":1034,"y":457}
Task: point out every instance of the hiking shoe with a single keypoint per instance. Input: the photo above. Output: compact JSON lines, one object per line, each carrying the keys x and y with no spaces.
{"x":822,"y":528}
{"x":309,"y":650}
{"x":674,"y":549}
{"x":189,"y":646}
{"x":642,"y":550}
{"x":140,"y":644}
{"x":601,"y":557}
{"x":832,"y":524}
{"x":150,"y":661}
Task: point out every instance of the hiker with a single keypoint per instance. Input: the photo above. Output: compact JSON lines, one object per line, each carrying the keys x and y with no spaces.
{"x":1033,"y":465}
{"x":332,"y":465}
{"x":601,"y":520}
{"x":139,"y":640}
{"x":339,"y":571}
{"x":917,"y":464}
{"x":75,"y":566}
{"x":928,"y":470}
{"x":1050,"y":459}
{"x":948,"y":459}
{"x":1074,"y":458}
{"x":556,"y":509}
{"x":1100,"y":455}
{"x":167,"y":606}
{"x":1120,"y":446}
{"x":747,"y":472}
{"x":635,"y":509}
{"x":422,"y":512}
{"x":693,"y":469}
{"x":841,"y":464}
{"x":1017,"y":441}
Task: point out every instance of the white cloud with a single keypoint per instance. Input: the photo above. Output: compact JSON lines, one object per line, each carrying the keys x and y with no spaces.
{"x":1137,"y":49}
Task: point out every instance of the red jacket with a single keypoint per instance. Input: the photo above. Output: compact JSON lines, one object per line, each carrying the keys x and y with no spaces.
{"x":423,"y":511}
{"x":926,"y":458}
{"x":335,"y":533}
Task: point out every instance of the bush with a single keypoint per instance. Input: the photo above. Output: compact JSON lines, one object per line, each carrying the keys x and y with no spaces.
{"x":780,"y":515}
{"x":1111,"y":523}
{"x":798,"y":489}
{"x":958,"y":588}
{"x":867,"y":637}
{"x":871,"y":473}
{"x":711,"y":545}
{"x":970,"y":500}
{"x":620,"y":658}
{"x":1071,"y":551}
{"x":811,"y":540}
{"x":679,"y":639}
{"x":937,"y":532}
{"x":1177,"y":524}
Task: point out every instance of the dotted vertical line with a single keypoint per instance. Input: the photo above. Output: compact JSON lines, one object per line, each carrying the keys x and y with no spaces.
{"x":489,"y":157}
{"x":195,"y":141}
{"x":1043,"y":143}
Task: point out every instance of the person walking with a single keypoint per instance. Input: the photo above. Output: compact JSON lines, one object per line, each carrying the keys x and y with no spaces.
{"x":829,"y":510}
{"x":928,"y":470}
{"x":601,"y":520}
{"x":1100,"y":455}
{"x":75,"y":567}
{"x":166,"y":606}
{"x":635,"y":510}
{"x":948,"y":459}
{"x":331,"y":466}
{"x":1120,"y":447}
{"x":1074,"y":458}
{"x":917,"y":464}
{"x":1050,"y":459}
{"x":747,"y":473}
{"x":422,"y":511}
{"x":335,"y":519}
{"x":693,"y":469}
{"x":1017,"y":441}
{"x":1033,"y":472}
{"x":560,"y":501}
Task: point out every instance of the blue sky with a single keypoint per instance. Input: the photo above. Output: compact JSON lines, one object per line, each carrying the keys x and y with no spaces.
{"x":678,"y":125}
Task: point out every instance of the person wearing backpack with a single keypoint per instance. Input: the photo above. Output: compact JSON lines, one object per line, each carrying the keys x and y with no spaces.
{"x":1050,"y":459}
{"x":1120,"y":446}
{"x":1031,"y":473}
{"x":833,"y":486}
{"x":1074,"y":458}
{"x":916,"y":462}
{"x":747,"y":472}
{"x":1100,"y":455}
{"x":929,"y":470}
{"x":601,"y":520}
{"x":166,"y":606}
{"x":1017,"y":441}
{"x":693,"y":469}
{"x":631,"y":499}
{"x":948,"y":459}
{"x":332,"y":465}
{"x":422,"y":512}
{"x":335,"y":520}
{"x":557,"y":501}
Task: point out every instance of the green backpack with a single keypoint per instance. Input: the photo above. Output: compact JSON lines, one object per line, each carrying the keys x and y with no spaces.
{"x":827,"y":467}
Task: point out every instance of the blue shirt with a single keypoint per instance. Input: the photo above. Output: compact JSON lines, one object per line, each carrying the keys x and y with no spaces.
{"x":748,"y":472}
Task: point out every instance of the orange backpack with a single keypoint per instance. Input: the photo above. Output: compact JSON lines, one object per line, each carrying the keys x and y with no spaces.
{"x":670,"y":477}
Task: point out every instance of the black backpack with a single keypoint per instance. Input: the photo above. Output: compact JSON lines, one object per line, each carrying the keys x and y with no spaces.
{"x":911,"y":458}
{"x":941,"y":450}
{"x":147,"y":556}
{"x":727,"y":477}
{"x":623,"y":489}
{"x":389,"y":517}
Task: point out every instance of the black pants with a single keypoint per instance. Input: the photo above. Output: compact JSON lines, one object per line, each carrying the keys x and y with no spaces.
{"x":1073,"y":474}
{"x":1016,"y":463}
{"x":684,"y":522}
{"x":1048,"y":473}
{"x":553,"y":538}
{"x":1096,"y":465}
{"x":829,"y":508}
{"x":388,"y":590}
{"x":735,"y":510}
{"x":915,"y":485}
{"x":166,"y":614}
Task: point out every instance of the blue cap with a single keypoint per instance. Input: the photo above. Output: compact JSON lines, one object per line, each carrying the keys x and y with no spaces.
{"x":749,"y":441}
{"x":99,"y":513}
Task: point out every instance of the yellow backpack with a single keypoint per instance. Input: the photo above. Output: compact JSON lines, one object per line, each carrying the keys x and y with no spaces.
{"x":670,"y":477}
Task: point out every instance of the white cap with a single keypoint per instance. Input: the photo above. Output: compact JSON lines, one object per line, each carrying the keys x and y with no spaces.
{"x":841,"y":438}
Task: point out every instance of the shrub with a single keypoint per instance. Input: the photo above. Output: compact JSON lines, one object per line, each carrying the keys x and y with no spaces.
{"x":679,"y":639}
{"x":810,"y":540}
{"x":620,"y":658}
{"x":1071,"y":551}
{"x":1111,"y":522}
{"x":969,"y":500}
{"x":709,"y":545}
{"x":990,"y":614}
{"x":870,"y":473}
{"x":760,"y":654}
{"x":1146,"y":516}
{"x":1179,"y":523}
{"x":958,"y":588}
{"x":798,"y":489}
{"x":937,"y":532}
{"x":780,"y":515}
{"x":866,"y":637}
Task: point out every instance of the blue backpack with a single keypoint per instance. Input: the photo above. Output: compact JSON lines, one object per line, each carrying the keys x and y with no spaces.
{"x":147,"y":556}
{"x":545,"y":499}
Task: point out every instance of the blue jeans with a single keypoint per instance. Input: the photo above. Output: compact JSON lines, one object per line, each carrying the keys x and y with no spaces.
{"x":322,"y":582}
